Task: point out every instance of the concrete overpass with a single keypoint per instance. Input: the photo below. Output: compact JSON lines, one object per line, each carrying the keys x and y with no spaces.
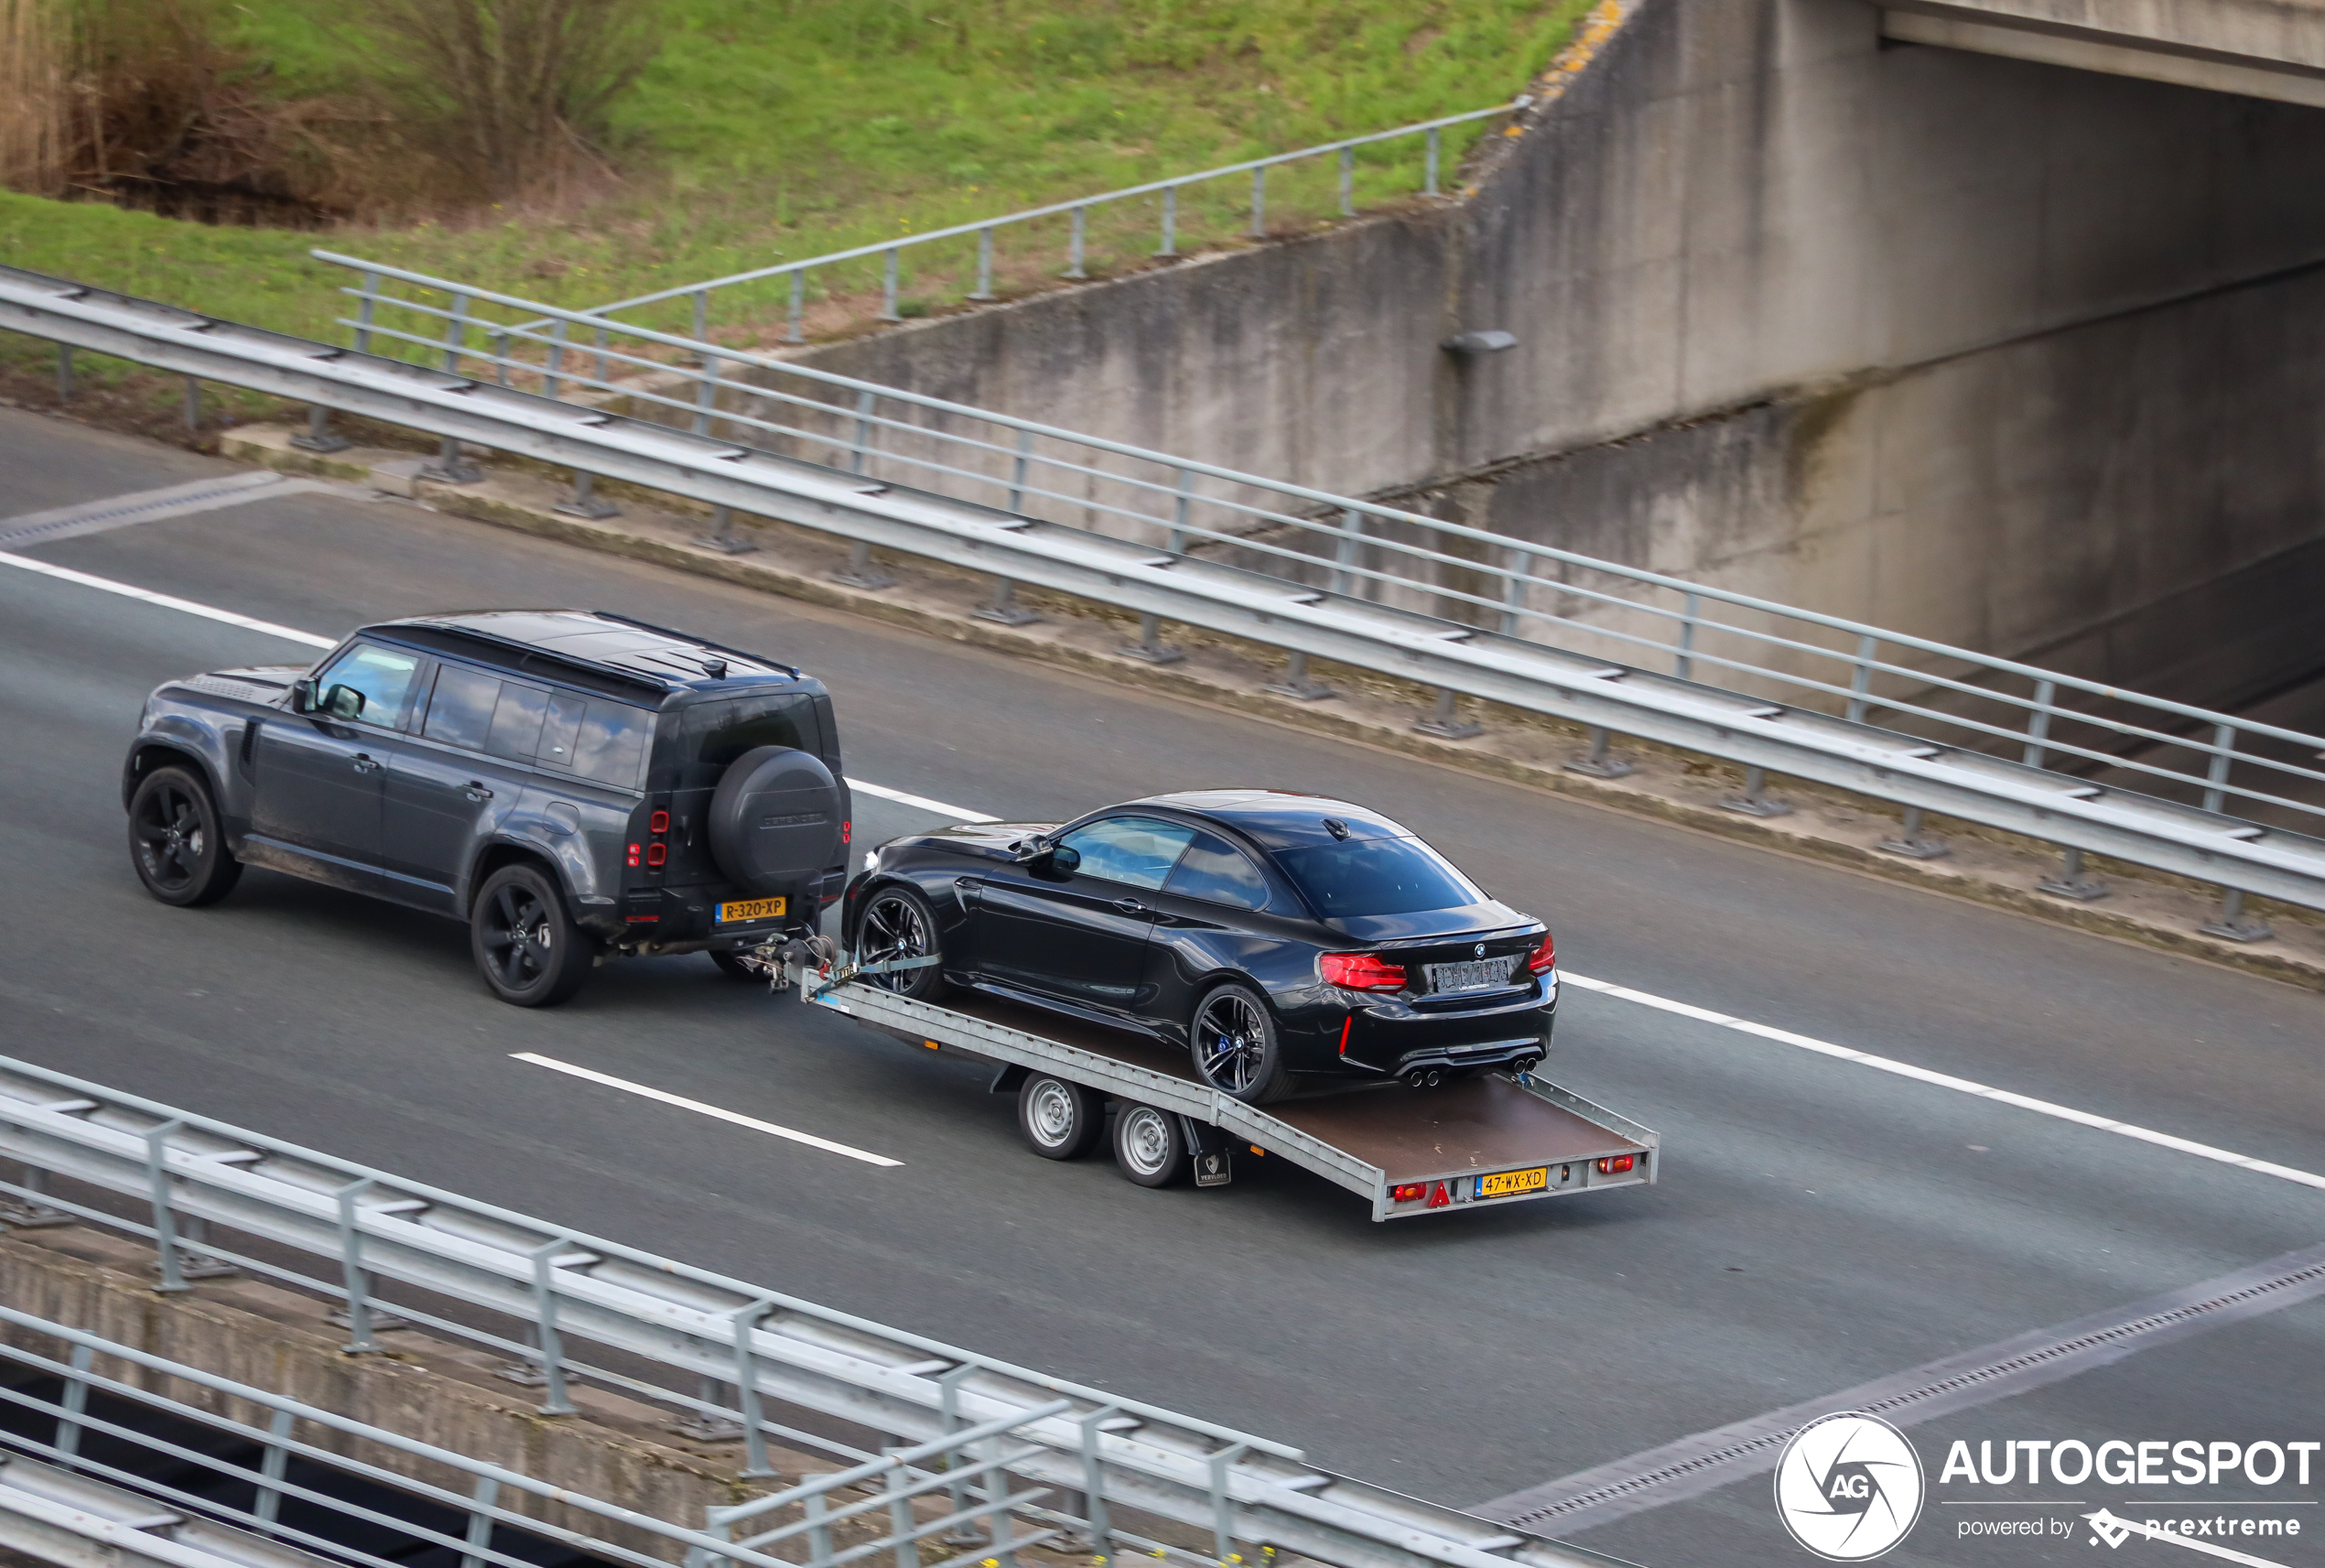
{"x":2262,"y":49}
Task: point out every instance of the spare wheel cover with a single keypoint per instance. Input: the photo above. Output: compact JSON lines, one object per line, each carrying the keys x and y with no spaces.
{"x":775,"y":820}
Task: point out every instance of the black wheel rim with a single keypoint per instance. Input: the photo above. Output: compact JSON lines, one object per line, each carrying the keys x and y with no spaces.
{"x":171,"y":840}
{"x":895,"y":928}
{"x":1231,"y":1042}
{"x":518,"y":941}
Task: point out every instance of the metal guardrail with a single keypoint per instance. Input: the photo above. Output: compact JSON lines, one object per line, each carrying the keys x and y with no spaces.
{"x":1078,"y":210}
{"x":347,"y":1230}
{"x":883,"y":1511}
{"x":1777,"y":690}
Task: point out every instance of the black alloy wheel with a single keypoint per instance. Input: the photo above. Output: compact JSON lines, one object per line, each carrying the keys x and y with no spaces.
{"x":175,"y":841}
{"x":898,"y":925}
{"x":1148,"y":1147}
{"x":1061,"y":1120}
{"x":1234,"y":1045}
{"x":527,"y":948}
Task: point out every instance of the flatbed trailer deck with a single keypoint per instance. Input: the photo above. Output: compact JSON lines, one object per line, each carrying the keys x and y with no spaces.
{"x":1479,"y":1143}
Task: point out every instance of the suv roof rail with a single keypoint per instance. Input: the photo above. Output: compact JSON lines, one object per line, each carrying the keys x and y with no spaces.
{"x":792,"y":670}
{"x":635,"y":679}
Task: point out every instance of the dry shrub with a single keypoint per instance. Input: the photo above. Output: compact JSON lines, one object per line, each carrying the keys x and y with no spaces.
{"x":34,"y":42}
{"x":512,"y":94}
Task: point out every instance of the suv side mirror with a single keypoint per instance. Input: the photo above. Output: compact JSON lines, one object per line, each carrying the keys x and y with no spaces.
{"x":343,"y":702}
{"x":303,"y":694}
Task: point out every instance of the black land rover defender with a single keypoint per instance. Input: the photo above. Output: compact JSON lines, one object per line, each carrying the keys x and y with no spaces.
{"x":572,"y":783}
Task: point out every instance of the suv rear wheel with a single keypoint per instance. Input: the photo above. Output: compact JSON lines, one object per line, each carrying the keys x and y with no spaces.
{"x":526,"y":945}
{"x":175,"y":842}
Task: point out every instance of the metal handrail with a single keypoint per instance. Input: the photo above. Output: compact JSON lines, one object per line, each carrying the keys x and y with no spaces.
{"x":1079,"y":208}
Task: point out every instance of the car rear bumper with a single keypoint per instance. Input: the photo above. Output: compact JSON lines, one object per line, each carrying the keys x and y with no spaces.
{"x":1392,"y":1038}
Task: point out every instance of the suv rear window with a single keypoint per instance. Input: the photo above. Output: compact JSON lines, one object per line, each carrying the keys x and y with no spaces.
{"x":595,"y":737}
{"x":713,"y":734}
{"x":1377,"y":876}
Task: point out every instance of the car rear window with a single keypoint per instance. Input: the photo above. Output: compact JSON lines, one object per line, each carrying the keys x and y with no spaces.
{"x":713,"y":734}
{"x":1377,"y":876}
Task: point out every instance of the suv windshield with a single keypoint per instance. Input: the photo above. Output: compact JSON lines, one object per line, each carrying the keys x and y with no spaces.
{"x":714,"y":734}
{"x":1377,"y":876}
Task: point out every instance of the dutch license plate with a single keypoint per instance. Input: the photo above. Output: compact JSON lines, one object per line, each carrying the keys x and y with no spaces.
{"x":1469,"y":977}
{"x":1507,"y":1183}
{"x":751,"y":909}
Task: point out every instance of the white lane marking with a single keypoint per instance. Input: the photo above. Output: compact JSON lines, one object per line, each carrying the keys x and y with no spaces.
{"x":166,"y":602}
{"x":1606,"y":988}
{"x":809,"y":1138}
{"x":958,"y":814}
{"x":1945,"y":1080}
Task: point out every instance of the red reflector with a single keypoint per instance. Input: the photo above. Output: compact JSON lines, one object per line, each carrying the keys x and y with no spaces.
{"x":1542,"y":957}
{"x":657,"y":853}
{"x":847,"y":832}
{"x":1408,"y":1192}
{"x":658,"y":823}
{"x":1613,"y":1164}
{"x":1346,"y":1024}
{"x":643,"y":919}
{"x":634,"y":854}
{"x":1361,"y":972}
{"x":1439,"y":1197}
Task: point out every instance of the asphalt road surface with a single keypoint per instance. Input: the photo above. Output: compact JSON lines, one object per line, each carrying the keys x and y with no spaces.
{"x":1818,"y":1224}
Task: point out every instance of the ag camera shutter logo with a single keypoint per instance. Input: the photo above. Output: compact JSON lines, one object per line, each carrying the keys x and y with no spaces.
{"x":1849,"y":1487}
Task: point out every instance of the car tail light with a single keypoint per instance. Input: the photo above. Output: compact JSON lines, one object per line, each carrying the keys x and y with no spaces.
{"x":1544,"y":957}
{"x":658,"y":823}
{"x":1408,"y":1192}
{"x":657,"y":853}
{"x":634,"y":854}
{"x":1361,"y":972}
{"x":1613,"y":1164}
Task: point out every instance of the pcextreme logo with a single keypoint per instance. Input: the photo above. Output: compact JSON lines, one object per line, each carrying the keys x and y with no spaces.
{"x":1849,"y":1486}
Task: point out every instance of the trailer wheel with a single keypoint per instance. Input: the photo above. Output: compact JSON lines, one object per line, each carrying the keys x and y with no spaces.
{"x":1148,"y":1147}
{"x":1061,"y":1120}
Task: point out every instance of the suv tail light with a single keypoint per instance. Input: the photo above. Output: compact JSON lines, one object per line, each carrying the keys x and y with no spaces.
{"x":658,"y":823}
{"x":1361,"y":972}
{"x":634,"y":854}
{"x":657,"y":853}
{"x":1543,"y":958}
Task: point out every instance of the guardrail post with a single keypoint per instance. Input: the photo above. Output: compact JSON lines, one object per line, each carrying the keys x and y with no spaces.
{"x":1003,"y":607}
{"x":1260,"y":202}
{"x":2230,"y":922}
{"x":1912,"y":842}
{"x":2216,"y":775}
{"x":478,"y":1538}
{"x":859,"y":454}
{"x":318,"y":437}
{"x":552,"y":1345}
{"x":1861,"y":679}
{"x":498,"y":344}
{"x":1222,"y":1505}
{"x":984,"y":266}
{"x":1017,"y":472}
{"x":552,"y":383}
{"x":1149,"y":649}
{"x":351,"y":1259}
{"x":1755,"y":801}
{"x":363,"y":304}
{"x":64,"y":373}
{"x":888,"y":287}
{"x":1170,"y":222}
{"x":1598,"y":763}
{"x":603,"y":370}
{"x":1345,"y":553}
{"x":73,"y":1404}
{"x":1297,"y":684}
{"x":1513,"y":591}
{"x":2070,"y":883}
{"x":1101,"y":1527}
{"x":754,"y":1436}
{"x":1429,"y":165}
{"x":900,"y":1513}
{"x":1004,"y":1549}
{"x":451,"y":465}
{"x":585,"y":502}
{"x":31,"y":1213}
{"x":721,"y":536}
{"x":706,"y":395}
{"x":193,"y":404}
{"x":1691,"y":611}
{"x":272,"y":1466}
{"x":1347,"y":182}
{"x":456,"y":334}
{"x":1073,"y":268}
{"x":964,"y":1532}
{"x":1444,"y":722}
{"x":173,"y":1278}
{"x":701,"y":314}
{"x":798,"y":333}
{"x":860,"y":572}
{"x":707,"y":1426}
{"x":1177,"y":545}
{"x":2038,"y":726}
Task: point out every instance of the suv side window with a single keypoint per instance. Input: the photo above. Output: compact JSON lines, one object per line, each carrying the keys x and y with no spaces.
{"x":516,"y":721}
{"x":461,"y":711}
{"x":1137,"y":851}
{"x":1215,"y":869}
{"x":381,"y":676}
{"x":596,"y":737}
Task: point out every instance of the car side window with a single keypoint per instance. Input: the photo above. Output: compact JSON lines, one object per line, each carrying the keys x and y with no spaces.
{"x":596,"y":737}
{"x":461,"y":711}
{"x":516,"y":721}
{"x":1214,"y":870}
{"x":1137,"y":851}
{"x":381,"y":676}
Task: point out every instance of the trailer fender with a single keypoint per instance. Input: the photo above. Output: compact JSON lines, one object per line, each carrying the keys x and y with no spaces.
{"x":1009,"y":1080}
{"x":1209,"y":1147}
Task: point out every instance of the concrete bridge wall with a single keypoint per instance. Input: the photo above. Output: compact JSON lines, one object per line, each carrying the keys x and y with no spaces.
{"x":1995,"y":352}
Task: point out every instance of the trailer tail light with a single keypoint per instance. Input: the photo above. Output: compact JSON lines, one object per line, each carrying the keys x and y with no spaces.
{"x":1408,"y":1192}
{"x":634,"y":854}
{"x":658,"y":823}
{"x":1614,"y":1164}
{"x":1544,"y":957}
{"x":1361,"y":972}
{"x":657,"y":853}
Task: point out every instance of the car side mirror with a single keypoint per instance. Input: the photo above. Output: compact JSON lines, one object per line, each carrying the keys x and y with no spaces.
{"x":1064,"y":858}
{"x":303,"y":694}
{"x":343,"y":702}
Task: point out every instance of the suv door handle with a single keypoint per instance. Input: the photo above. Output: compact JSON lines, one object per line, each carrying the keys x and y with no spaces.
{"x":477,"y":790}
{"x":364,"y":765}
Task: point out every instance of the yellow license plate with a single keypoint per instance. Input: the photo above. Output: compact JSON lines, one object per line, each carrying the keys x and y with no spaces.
{"x":1502,"y":1183}
{"x":750,"y":908}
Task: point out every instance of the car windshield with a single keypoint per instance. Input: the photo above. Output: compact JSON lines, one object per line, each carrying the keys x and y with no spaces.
{"x":1377,"y":876}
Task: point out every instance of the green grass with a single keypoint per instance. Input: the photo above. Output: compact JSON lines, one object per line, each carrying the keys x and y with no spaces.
{"x":770,"y":130}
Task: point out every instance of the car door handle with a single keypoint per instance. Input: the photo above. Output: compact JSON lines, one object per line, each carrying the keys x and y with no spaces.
{"x":1132,"y":906}
{"x":477,"y":790}
{"x":364,"y":763}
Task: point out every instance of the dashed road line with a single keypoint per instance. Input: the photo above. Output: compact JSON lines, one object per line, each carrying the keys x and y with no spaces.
{"x":146,"y":506}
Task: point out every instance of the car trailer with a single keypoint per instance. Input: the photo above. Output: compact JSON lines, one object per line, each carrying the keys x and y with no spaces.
{"x":1481,"y":1141}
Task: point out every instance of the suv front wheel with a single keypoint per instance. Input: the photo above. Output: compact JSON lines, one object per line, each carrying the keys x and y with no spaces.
{"x":527,"y":944}
{"x":175,"y":841}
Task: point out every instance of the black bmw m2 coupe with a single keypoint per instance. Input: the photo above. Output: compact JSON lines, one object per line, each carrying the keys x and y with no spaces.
{"x":1281,"y":938}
